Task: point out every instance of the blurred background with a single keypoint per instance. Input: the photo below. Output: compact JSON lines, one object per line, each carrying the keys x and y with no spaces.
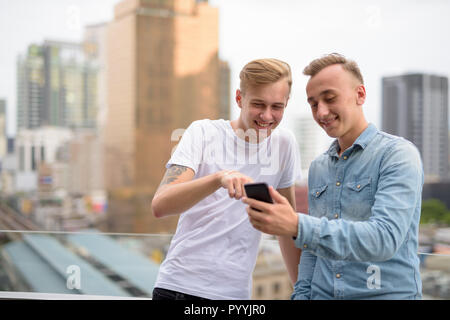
{"x":94,"y":95}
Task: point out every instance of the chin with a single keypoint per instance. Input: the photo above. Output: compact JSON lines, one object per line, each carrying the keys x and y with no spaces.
{"x":331,"y":132}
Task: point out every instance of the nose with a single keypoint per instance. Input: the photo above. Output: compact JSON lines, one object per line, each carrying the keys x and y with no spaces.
{"x":266,"y":115}
{"x":322,"y":110}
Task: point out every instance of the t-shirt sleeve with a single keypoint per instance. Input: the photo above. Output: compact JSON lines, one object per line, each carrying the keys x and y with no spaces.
{"x":291,"y":171}
{"x":189,"y":150}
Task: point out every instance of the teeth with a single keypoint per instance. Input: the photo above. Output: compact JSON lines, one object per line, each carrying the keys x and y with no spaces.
{"x":263,"y":124}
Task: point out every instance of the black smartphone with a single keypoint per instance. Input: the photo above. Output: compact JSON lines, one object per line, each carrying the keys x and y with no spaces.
{"x":258,"y":191}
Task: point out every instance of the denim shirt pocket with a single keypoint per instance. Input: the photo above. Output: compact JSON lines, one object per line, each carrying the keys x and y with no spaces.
{"x":318,"y":205}
{"x":362,"y":188}
{"x":359,"y":195}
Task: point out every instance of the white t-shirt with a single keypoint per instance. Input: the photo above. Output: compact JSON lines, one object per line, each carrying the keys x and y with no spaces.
{"x":213,"y":252}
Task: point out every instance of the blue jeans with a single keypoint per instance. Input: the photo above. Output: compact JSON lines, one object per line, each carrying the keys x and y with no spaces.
{"x":165,"y":294}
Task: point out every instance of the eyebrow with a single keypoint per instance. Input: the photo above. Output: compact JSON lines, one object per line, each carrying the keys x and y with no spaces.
{"x":264,"y":102}
{"x":322,"y":94}
{"x":257,"y":100}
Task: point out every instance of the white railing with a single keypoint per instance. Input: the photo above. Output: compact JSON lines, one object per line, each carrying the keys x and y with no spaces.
{"x":90,"y":265}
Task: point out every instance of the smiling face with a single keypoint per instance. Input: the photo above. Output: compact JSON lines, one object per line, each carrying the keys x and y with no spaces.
{"x":336,"y":98}
{"x":262,"y":106}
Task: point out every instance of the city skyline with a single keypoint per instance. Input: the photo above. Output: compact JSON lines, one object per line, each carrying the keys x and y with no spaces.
{"x":159,"y":54}
{"x":161,"y":64}
{"x":384,"y":38}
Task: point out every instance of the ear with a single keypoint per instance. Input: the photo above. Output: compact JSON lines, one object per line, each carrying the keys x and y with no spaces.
{"x":239,"y":98}
{"x":361,"y":95}
{"x":287,"y":100}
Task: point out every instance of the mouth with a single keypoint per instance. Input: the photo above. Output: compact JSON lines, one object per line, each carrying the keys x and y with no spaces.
{"x":326,"y":123}
{"x":264,"y":125}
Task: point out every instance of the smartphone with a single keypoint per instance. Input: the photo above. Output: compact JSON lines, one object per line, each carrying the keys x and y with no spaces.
{"x":258,"y":191}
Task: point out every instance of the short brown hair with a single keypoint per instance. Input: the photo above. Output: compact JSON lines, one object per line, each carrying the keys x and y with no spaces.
{"x":333,"y":58}
{"x":264,"y":71}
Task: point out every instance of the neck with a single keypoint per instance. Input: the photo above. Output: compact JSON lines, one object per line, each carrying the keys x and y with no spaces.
{"x":347,"y":140}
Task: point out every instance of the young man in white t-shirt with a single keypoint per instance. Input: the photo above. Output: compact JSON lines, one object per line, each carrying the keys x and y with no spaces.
{"x":213,"y":252}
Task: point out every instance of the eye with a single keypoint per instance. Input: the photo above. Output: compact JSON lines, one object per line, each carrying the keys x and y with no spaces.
{"x":330,"y":99}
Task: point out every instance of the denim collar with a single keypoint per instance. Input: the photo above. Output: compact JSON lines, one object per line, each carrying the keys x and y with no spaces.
{"x":362,"y":141}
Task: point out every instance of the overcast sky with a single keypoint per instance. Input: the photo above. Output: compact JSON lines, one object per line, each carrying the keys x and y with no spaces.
{"x":385,"y":37}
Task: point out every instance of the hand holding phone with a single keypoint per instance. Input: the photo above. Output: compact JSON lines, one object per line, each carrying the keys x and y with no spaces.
{"x":283,"y":219}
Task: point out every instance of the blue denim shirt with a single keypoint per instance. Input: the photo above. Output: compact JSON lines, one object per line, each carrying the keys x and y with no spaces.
{"x":360,"y":238}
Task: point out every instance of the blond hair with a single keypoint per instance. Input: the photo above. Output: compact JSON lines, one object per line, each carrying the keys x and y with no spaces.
{"x":264,"y":71}
{"x":333,"y":58}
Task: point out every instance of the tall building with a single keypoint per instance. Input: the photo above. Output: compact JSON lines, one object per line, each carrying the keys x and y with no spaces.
{"x":163,"y":73}
{"x":415,"y":106}
{"x":30,"y":88}
{"x":56,"y":86}
{"x":94,"y":46}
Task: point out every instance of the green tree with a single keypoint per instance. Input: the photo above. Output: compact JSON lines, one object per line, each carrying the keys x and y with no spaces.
{"x":434,"y":211}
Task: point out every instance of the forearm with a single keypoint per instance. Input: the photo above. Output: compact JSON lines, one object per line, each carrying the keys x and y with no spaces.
{"x":373,"y":240}
{"x":177,"y":198}
{"x":291,"y":256}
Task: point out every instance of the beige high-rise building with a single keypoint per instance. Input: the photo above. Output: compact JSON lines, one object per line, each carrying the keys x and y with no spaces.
{"x":163,"y":73}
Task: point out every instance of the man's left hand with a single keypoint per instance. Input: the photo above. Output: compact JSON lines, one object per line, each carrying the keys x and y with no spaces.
{"x":277,"y":219}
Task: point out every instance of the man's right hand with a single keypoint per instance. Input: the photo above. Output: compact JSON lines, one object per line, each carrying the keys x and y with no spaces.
{"x":179,"y":191}
{"x":234,"y":182}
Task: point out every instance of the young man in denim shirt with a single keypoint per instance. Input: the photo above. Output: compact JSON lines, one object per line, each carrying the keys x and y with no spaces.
{"x":360,"y":238}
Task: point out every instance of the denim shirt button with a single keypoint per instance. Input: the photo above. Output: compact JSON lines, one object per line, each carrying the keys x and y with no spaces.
{"x":338,"y":183}
{"x":338,"y":275}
